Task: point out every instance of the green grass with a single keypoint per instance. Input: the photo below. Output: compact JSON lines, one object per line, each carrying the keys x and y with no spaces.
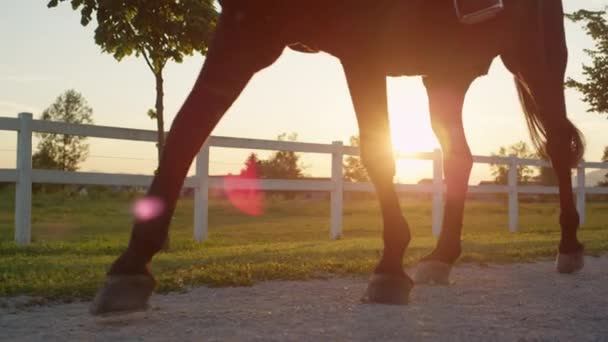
{"x":75,"y":240}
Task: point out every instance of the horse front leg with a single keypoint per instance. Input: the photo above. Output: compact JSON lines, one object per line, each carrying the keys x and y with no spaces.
{"x":231,"y":62}
{"x":129,"y":284}
{"x":389,"y":283}
{"x":446,"y":98}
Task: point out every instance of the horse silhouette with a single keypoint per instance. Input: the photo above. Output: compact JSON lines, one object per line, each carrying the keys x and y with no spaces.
{"x":373,"y":40}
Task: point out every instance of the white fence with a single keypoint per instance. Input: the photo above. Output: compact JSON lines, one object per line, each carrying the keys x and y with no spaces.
{"x":24,"y":175}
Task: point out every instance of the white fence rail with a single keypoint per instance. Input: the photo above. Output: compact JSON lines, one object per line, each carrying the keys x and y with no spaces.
{"x":24,"y":175}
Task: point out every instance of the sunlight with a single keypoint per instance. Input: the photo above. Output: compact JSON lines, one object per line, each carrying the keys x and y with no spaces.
{"x":410,"y":127}
{"x":409,"y":114}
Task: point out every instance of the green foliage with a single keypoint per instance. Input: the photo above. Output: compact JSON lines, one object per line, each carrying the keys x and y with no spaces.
{"x":59,"y":151}
{"x":524,"y":172}
{"x":595,"y":86}
{"x":253,"y":166}
{"x":282,"y":164}
{"x":547,"y":176}
{"x":152,"y":114}
{"x":354,"y":170}
{"x":161,"y":30}
{"x":158,"y":30}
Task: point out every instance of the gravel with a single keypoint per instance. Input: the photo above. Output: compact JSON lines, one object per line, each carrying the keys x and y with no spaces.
{"x":519,"y":302}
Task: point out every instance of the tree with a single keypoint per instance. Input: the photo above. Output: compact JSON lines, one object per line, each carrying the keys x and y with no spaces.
{"x":253,"y":166}
{"x":59,"y":151}
{"x":501,"y":171}
{"x":44,"y":158}
{"x":282,"y":164}
{"x":595,"y":87}
{"x":157,"y":30}
{"x":354,"y":170}
{"x":546,"y":176}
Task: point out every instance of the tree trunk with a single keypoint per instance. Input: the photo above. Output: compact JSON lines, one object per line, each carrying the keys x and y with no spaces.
{"x":160,"y":127}
{"x":160,"y":123}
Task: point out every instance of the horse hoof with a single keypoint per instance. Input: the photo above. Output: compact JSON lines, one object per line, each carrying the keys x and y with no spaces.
{"x":388,"y":289}
{"x":569,"y":263}
{"x":123,"y":294}
{"x":432,"y":272}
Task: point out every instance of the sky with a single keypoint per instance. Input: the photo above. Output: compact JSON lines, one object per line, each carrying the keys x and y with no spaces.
{"x":47,"y":51}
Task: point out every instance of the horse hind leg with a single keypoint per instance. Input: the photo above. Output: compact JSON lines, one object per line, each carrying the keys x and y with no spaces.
{"x":541,"y":90}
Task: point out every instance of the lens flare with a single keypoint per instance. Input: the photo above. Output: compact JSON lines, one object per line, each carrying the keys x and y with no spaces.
{"x":148,"y":208}
{"x":243,"y":192}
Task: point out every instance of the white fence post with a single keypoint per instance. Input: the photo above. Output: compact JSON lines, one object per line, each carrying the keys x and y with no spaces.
{"x":201,"y":194}
{"x":580,"y":192}
{"x":437,"y":220}
{"x":337,"y":192}
{"x":23,"y":193}
{"x":513,"y":198}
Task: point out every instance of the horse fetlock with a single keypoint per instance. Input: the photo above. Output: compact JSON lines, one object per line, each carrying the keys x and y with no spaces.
{"x":570,"y":246}
{"x":445,"y":252}
{"x":130,"y":263}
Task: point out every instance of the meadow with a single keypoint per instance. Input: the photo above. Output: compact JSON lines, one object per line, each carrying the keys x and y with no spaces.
{"x":76,"y":238}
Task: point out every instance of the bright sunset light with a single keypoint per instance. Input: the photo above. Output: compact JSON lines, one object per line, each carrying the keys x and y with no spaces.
{"x":409,"y":114}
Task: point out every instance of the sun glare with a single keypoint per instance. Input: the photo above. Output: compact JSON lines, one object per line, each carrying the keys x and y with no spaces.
{"x":410,"y":127}
{"x":409,"y":114}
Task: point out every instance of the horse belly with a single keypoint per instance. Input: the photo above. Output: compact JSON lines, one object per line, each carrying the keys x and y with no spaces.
{"x":433,"y":41}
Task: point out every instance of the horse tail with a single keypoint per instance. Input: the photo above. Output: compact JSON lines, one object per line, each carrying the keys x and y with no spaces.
{"x":538,"y":125}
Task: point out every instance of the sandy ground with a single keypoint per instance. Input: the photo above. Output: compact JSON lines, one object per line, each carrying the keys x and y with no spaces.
{"x":527,"y":302}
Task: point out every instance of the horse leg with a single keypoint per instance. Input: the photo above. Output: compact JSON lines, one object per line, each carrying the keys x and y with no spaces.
{"x":129,"y":284}
{"x":389,"y":283}
{"x":540,"y":83}
{"x":562,"y":141}
{"x":446,"y":98}
{"x":226,"y":71}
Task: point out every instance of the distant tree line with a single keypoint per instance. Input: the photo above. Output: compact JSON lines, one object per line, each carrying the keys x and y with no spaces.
{"x":525,"y":173}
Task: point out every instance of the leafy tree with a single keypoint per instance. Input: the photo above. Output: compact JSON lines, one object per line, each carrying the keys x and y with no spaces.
{"x":44,"y":158}
{"x":253,"y":166}
{"x":524,"y":172}
{"x":547,"y":176}
{"x":280,"y":165}
{"x":59,"y":151}
{"x":595,"y":86}
{"x":157,"y":30}
{"x":283,"y":164}
{"x":354,"y":171}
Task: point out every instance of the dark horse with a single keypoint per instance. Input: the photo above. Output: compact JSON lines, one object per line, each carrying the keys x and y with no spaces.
{"x":374,"y":40}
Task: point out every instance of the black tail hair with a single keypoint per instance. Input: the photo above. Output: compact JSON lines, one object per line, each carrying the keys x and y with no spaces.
{"x":538,"y":129}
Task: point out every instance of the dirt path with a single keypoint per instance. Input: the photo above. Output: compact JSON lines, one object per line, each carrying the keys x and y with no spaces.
{"x":516,"y":302}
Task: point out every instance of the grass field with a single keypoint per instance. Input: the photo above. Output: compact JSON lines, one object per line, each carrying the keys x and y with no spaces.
{"x":76,"y":238}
